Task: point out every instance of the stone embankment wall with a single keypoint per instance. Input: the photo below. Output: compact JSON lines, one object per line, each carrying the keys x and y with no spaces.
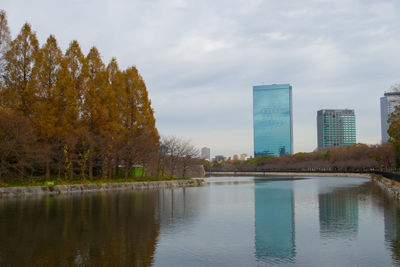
{"x":81,"y":188}
{"x":303,"y":174}
{"x":194,"y":171}
{"x":391,"y":187}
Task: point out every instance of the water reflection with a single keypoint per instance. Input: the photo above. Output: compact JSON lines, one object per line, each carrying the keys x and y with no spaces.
{"x":392,"y":228}
{"x":178,"y":206}
{"x":96,"y":230}
{"x":274,"y":221}
{"x":338,"y":213}
{"x":339,"y":222}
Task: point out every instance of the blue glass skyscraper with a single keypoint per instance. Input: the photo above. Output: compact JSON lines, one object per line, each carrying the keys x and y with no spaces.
{"x":272,"y":119}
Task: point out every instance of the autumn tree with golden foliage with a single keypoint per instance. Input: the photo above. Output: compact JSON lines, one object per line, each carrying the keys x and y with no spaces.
{"x":77,"y":117}
{"x":394,"y":133}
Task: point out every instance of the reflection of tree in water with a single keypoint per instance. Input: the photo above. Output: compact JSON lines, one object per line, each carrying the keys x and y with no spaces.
{"x":338,"y":213}
{"x":391,"y":210}
{"x":392,"y":227}
{"x":96,"y":230}
{"x":179,"y":205}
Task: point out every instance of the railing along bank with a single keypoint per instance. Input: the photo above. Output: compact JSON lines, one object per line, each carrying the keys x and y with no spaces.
{"x":395,"y":176}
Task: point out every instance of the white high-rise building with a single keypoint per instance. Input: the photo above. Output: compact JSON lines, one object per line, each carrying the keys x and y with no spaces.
{"x":205,"y":153}
{"x":389,"y":101}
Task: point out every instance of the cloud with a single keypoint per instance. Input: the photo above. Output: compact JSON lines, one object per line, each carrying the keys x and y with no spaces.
{"x":200,"y":59}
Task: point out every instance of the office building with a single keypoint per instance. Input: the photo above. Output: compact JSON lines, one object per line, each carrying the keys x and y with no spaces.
{"x":336,"y":127}
{"x":243,"y":156}
{"x":205,"y":153}
{"x":389,"y":101}
{"x":219,"y":158}
{"x":272,"y":120}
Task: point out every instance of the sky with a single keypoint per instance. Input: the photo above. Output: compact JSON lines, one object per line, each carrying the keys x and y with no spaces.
{"x":201,"y":58}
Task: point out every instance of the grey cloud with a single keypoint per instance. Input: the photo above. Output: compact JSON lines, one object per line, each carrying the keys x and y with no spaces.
{"x":200,"y":58}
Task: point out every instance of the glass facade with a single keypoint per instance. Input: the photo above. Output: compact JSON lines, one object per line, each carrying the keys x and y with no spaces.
{"x":336,"y":127}
{"x":272,"y":120}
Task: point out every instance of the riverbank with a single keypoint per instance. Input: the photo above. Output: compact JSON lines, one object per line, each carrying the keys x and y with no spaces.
{"x":21,"y":191}
{"x":391,"y":187}
{"x":304,"y":174}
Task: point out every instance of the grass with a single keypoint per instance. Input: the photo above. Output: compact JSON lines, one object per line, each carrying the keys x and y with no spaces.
{"x":58,"y":181}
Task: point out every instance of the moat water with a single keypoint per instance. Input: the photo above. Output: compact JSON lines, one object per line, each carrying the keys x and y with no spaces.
{"x":233,"y":221}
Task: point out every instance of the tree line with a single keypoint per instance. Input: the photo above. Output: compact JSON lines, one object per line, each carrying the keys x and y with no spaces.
{"x":359,"y":157}
{"x":69,"y":114}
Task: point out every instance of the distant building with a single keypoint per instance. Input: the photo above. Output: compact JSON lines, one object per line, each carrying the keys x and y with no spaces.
{"x":336,"y":127}
{"x":219,"y":158}
{"x":235,"y":157}
{"x":272,"y":119}
{"x":389,"y":101}
{"x":205,"y":153}
{"x":243,"y":156}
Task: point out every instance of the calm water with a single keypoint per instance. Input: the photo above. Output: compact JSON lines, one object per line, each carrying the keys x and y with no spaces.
{"x":231,"y":222}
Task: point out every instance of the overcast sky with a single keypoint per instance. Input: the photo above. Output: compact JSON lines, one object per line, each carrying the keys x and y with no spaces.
{"x":201,"y":58}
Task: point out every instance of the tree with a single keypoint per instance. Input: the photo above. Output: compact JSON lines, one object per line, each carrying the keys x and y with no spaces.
{"x":16,"y":140}
{"x":80,"y":115}
{"x":394,"y":133}
{"x":93,"y":113}
{"x":179,"y":153}
{"x":71,"y":81}
{"x":48,"y":107}
{"x":189,"y":156}
{"x":5,"y":39}
{"x":18,"y":76}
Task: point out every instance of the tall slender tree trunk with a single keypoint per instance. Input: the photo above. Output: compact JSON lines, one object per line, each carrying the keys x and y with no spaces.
{"x":1,"y":168}
{"x":110,"y":169}
{"x":143,"y":168}
{"x":71,"y":172}
{"x":127,"y":168}
{"x":90,"y":168}
{"x":126,"y":172}
{"x":47,"y":170}
{"x":116,"y":166}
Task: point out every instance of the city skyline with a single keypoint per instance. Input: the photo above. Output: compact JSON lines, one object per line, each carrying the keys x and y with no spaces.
{"x":199,"y":58}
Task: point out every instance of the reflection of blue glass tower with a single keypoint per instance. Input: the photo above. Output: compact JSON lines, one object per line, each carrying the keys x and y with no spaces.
{"x":272,"y":118}
{"x":274,"y":221}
